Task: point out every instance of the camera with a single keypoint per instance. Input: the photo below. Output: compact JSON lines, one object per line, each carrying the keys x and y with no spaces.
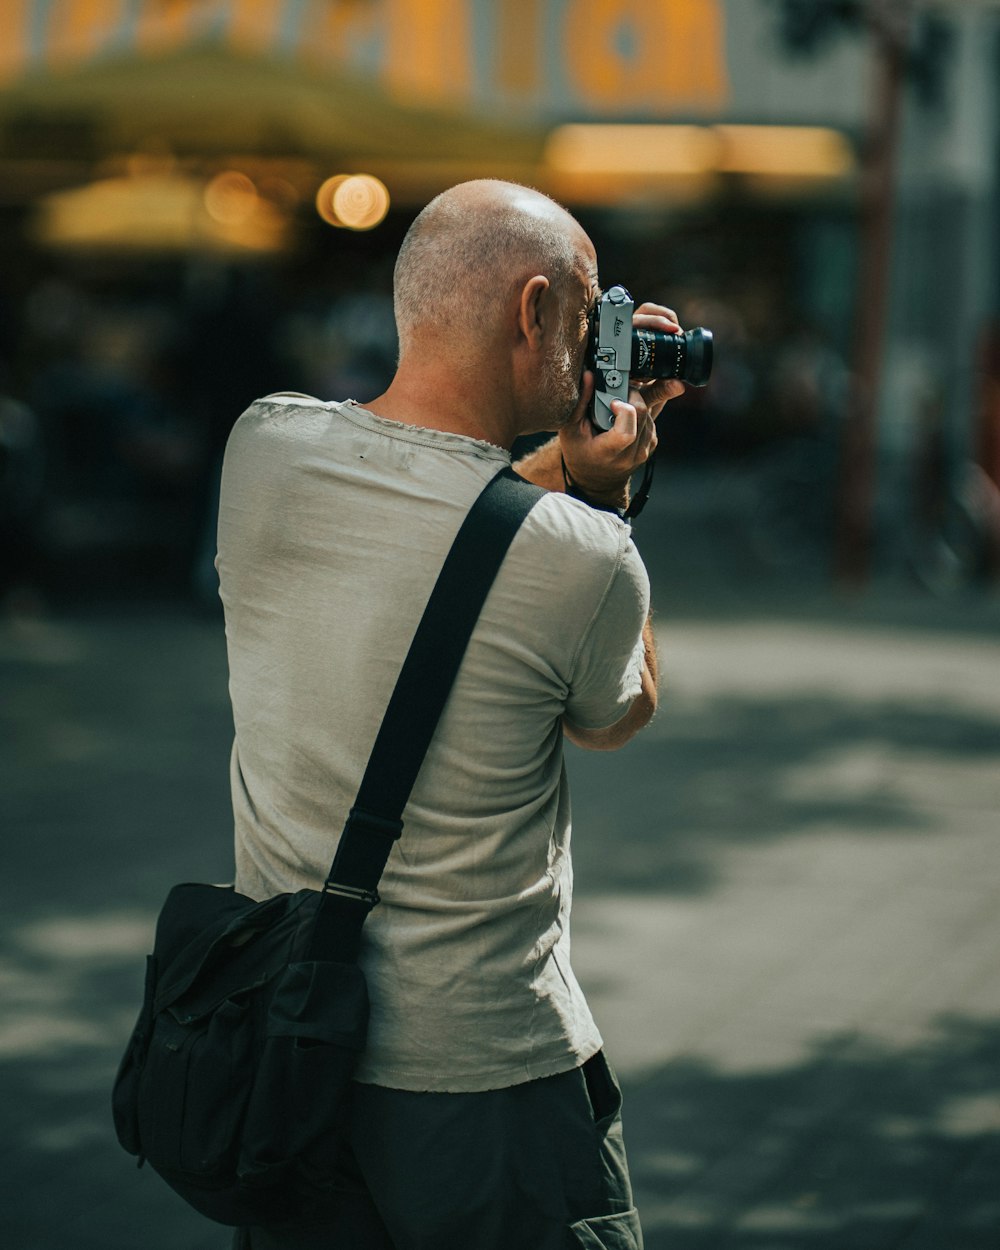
{"x":618,"y":353}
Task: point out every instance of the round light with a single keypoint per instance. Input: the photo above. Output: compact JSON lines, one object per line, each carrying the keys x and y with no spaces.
{"x":361,"y":202}
{"x":230,"y":198}
{"x":356,"y":201}
{"x":324,"y":199}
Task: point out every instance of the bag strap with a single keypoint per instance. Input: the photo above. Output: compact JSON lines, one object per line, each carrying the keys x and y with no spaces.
{"x":419,"y":697}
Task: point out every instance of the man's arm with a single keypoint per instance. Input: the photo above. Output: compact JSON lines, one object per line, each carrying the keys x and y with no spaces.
{"x":606,"y":466}
{"x":544,"y":467}
{"x":637,"y":717}
{"x":601,"y":464}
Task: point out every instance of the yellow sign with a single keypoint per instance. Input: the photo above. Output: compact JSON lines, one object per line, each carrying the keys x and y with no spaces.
{"x":646,"y":57}
{"x":650,"y":58}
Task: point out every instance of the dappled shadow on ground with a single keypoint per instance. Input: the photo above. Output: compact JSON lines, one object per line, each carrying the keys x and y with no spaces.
{"x":115,"y":779}
{"x":117,"y":787}
{"x":863,"y":1147}
{"x":751,"y":770}
{"x":71,"y":986}
{"x":121,"y":731}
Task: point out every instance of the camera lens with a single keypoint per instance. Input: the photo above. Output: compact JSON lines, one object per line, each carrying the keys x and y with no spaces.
{"x":687,"y":356}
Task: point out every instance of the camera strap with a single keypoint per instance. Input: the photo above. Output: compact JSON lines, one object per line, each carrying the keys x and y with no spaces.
{"x":418,"y":700}
{"x":636,"y":505}
{"x":640,"y":497}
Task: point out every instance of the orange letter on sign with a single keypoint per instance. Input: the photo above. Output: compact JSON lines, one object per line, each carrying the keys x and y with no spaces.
{"x":519,"y":48}
{"x":79,"y":28}
{"x":429,"y":50}
{"x":13,"y":38}
{"x":253,"y":23}
{"x":694,"y":65}
{"x":607,"y":43}
{"x":637,"y":55}
{"x":164,"y":24}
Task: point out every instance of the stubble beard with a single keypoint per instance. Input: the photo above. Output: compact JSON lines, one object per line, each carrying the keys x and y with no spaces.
{"x":561,"y":391}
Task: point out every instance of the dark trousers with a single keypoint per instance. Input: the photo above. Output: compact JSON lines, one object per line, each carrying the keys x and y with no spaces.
{"x":538,"y":1166}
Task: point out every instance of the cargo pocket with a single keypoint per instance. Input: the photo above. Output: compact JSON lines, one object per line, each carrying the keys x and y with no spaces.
{"x":606,"y":1232}
{"x":603,"y":1090}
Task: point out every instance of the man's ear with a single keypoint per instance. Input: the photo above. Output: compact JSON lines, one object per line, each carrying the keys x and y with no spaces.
{"x":533,"y":310}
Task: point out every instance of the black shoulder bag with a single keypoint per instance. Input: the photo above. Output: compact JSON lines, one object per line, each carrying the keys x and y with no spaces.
{"x":234,"y":1085}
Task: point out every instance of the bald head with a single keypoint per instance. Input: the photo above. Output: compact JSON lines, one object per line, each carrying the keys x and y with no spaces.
{"x":468,"y":254}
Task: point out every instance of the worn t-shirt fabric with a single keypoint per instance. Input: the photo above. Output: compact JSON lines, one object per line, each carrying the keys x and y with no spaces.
{"x":333,"y":526}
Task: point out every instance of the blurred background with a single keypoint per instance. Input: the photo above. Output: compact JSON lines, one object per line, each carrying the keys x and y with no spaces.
{"x":201,"y":202}
{"x":816,"y":180}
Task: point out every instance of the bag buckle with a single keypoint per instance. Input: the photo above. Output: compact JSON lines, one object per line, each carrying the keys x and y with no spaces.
{"x":353,"y":892}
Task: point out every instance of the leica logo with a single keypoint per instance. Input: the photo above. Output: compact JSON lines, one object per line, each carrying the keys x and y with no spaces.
{"x":618,"y":326}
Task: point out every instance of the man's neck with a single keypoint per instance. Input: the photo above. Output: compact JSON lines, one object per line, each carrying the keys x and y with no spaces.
{"x":451,"y":404}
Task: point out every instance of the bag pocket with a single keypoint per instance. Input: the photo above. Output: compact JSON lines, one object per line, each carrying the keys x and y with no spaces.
{"x":194,"y":1088}
{"x":606,"y":1232}
{"x":316,"y":1029}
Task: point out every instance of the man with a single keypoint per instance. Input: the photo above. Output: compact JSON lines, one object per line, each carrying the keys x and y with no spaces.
{"x":485,"y":1116}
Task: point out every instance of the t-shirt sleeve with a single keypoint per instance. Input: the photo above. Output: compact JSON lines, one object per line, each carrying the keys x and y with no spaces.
{"x":607,"y":670}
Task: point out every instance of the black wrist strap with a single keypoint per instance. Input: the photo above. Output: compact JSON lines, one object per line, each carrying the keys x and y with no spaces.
{"x":636,"y":505}
{"x":642,"y":494}
{"x":421,"y":692}
{"x":575,"y":491}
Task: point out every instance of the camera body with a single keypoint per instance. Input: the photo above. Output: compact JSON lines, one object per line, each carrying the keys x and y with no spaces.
{"x":620,"y":354}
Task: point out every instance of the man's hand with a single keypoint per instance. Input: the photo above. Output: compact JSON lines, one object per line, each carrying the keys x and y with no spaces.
{"x":602,"y":462}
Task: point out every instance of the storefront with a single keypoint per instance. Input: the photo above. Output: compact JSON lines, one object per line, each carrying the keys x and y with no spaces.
{"x":162,"y":175}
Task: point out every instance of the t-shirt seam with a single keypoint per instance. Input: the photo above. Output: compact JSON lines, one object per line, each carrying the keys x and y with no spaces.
{"x":528,"y":1067}
{"x":422,"y":436}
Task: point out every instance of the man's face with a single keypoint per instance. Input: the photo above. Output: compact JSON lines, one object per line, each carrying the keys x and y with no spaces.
{"x":563,"y":374}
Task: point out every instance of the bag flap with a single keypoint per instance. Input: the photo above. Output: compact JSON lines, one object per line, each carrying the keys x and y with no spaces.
{"x":209,"y":943}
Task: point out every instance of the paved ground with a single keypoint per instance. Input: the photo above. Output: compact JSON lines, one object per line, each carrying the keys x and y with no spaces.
{"x":788,"y":909}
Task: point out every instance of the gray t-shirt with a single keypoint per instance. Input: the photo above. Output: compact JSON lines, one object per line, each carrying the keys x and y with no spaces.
{"x":333,"y":525}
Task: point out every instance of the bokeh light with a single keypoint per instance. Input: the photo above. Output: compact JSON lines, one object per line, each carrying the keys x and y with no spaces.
{"x":230,"y":198}
{"x":324,"y":199}
{"x":353,"y":201}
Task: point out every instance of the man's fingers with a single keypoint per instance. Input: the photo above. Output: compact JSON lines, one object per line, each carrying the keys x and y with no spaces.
{"x":626,"y":425}
{"x":656,"y":317}
{"x":602,"y":462}
{"x":657,"y":394}
{"x":660,"y":310}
